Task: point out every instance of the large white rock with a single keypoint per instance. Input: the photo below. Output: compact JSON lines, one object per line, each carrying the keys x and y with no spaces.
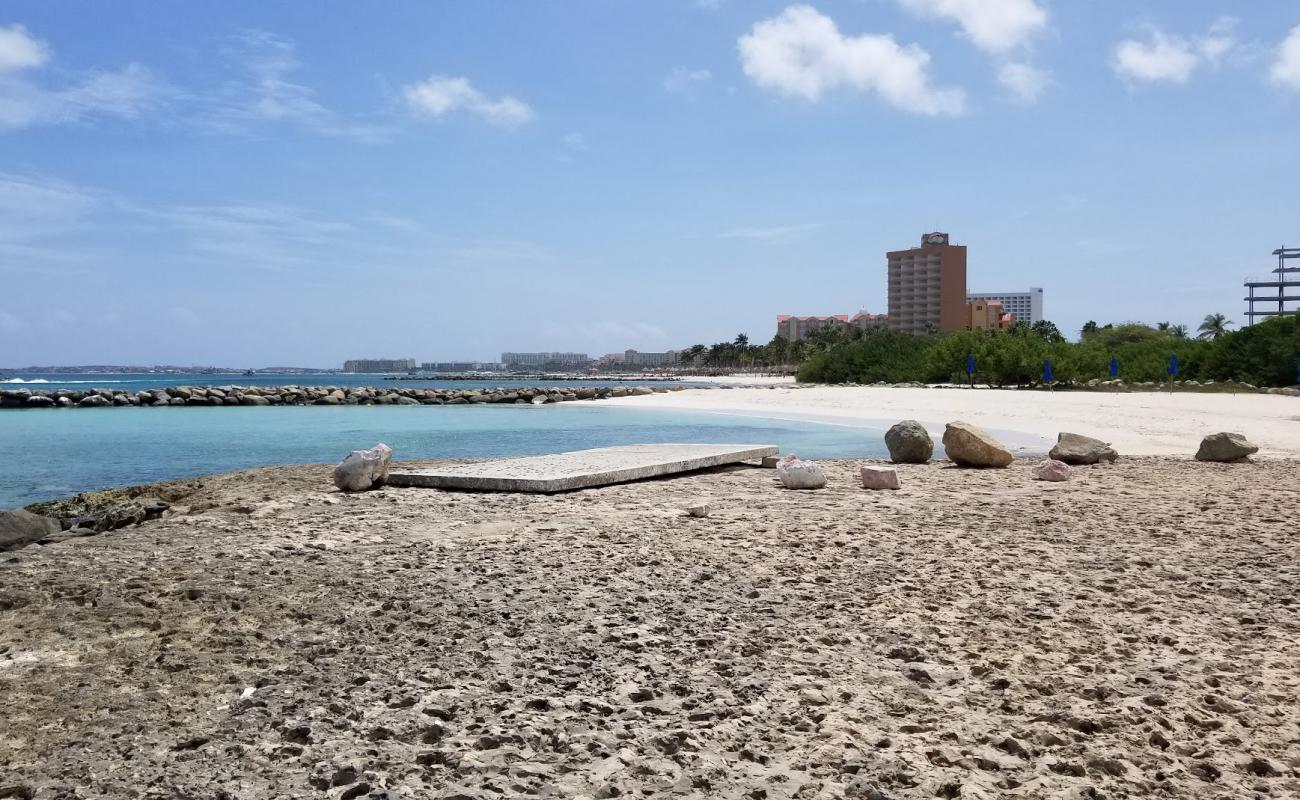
{"x":364,"y":469}
{"x":879,"y":477}
{"x":795,"y":473}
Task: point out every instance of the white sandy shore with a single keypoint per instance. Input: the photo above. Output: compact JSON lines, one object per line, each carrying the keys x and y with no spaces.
{"x":739,"y":380}
{"x":1138,"y":423}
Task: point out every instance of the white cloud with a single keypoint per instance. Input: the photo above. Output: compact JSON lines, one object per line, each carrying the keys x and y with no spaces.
{"x":1169,"y":58}
{"x":1286,"y":70}
{"x":801,"y":53}
{"x":441,"y":95}
{"x":269,"y":95}
{"x":995,"y":26}
{"x":1025,"y":82}
{"x":26,"y":101}
{"x":20,"y":50}
{"x":684,"y":81}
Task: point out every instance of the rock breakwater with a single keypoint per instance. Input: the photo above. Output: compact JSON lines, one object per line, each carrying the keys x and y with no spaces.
{"x":311,"y":395}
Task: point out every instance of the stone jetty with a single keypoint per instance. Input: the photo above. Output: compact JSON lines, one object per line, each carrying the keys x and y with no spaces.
{"x":313,"y":396}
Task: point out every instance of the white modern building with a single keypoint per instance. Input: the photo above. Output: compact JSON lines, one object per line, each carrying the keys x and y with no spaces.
{"x":1024,"y":306}
{"x":544,"y":359}
{"x":379,"y":365}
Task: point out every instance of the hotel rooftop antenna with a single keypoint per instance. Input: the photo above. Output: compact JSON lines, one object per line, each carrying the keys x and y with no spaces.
{"x":1286,"y":278}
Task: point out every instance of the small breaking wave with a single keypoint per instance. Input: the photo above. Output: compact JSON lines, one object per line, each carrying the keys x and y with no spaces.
{"x":43,"y":380}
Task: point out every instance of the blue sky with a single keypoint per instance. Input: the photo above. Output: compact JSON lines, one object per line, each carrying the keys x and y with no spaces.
{"x":256,"y":183}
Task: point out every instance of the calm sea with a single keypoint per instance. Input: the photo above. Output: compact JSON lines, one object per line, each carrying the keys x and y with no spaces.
{"x":49,"y":453}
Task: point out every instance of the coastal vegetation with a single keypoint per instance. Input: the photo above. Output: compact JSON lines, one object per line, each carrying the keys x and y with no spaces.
{"x":1265,"y":354}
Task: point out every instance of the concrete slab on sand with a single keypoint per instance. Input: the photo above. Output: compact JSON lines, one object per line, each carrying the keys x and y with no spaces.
{"x":582,"y":469}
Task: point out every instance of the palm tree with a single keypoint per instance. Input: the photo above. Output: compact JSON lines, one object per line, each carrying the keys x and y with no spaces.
{"x":1164,"y":327}
{"x":1178,"y":331}
{"x":742,"y":341}
{"x":1214,"y":326}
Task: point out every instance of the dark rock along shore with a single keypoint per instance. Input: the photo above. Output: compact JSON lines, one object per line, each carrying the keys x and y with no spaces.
{"x":309,"y":395}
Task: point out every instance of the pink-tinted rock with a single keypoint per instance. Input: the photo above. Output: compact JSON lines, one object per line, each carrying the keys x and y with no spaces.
{"x":879,"y":478}
{"x":1052,"y":470}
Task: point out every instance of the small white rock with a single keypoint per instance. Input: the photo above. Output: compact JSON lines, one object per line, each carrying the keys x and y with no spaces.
{"x":879,"y":478}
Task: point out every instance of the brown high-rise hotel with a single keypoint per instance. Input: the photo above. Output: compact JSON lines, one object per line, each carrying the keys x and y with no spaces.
{"x":927,"y":286}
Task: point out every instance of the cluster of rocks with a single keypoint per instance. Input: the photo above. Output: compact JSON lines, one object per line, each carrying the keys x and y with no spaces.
{"x":1117,"y":385}
{"x":967,"y":445}
{"x":85,"y":514}
{"x":311,"y":395}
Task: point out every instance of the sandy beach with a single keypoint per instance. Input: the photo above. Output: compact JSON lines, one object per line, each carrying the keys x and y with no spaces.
{"x":1130,"y":633}
{"x":1135,"y":423}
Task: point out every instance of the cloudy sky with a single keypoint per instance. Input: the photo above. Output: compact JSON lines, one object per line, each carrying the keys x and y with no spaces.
{"x":247,"y":183}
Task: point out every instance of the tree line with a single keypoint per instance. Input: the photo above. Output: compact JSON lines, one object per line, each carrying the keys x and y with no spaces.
{"x":1265,"y":354}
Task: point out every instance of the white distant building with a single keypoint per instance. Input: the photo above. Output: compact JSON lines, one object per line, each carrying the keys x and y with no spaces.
{"x":379,"y":365}
{"x":544,"y":359}
{"x":1024,"y":306}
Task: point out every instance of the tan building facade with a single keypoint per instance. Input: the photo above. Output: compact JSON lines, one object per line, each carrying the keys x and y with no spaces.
{"x":927,"y":286}
{"x":988,"y":315}
{"x":796,"y":329}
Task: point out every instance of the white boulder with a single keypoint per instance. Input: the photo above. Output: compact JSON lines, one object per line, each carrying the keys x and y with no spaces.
{"x":795,"y":473}
{"x":364,"y":469}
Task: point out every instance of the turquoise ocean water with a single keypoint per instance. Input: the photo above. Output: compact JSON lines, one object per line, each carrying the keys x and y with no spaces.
{"x":49,"y":453}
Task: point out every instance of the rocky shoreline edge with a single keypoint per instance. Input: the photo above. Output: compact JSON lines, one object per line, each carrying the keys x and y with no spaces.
{"x":312,"y":396}
{"x":293,"y":395}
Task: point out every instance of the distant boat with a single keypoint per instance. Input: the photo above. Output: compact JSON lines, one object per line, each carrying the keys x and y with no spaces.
{"x":249,"y":372}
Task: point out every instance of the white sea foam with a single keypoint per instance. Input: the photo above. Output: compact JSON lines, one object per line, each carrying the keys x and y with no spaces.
{"x":42,"y":380}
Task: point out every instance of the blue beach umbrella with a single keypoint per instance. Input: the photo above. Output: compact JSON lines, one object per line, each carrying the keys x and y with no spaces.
{"x":1047,"y":371}
{"x":1114,"y":367}
{"x":1173,"y":365}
